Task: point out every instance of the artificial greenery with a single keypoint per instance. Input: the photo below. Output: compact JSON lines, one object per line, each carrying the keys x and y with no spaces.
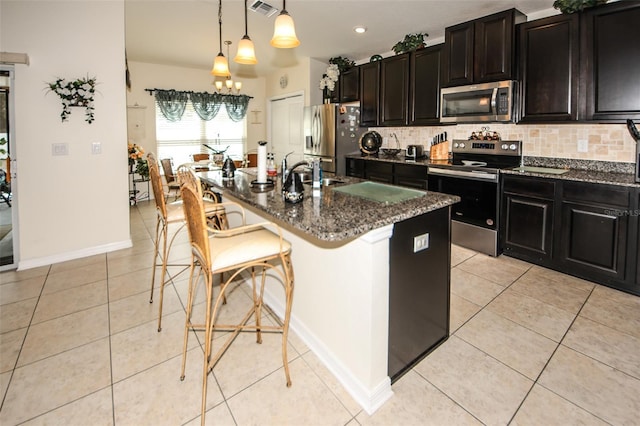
{"x":409,"y":43}
{"x":75,"y":93}
{"x":572,"y":6}
{"x":142,"y":168}
{"x":343,"y":63}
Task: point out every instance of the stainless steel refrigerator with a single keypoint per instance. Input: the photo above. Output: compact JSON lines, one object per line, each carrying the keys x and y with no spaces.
{"x":332,"y":131}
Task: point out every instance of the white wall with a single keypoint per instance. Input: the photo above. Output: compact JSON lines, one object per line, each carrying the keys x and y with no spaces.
{"x":154,"y":76}
{"x":75,"y":205}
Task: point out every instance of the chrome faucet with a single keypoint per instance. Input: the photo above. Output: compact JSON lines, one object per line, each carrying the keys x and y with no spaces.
{"x":396,"y":138}
{"x":284,"y":167}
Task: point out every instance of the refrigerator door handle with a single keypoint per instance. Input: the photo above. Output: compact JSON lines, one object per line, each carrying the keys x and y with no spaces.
{"x":315,"y":130}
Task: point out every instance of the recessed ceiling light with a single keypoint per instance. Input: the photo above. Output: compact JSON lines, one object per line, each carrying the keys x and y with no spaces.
{"x":359,"y":29}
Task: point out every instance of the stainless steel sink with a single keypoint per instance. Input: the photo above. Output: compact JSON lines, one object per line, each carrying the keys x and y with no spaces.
{"x":325,"y":181}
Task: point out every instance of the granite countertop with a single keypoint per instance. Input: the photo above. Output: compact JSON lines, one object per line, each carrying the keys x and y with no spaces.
{"x":327,"y":215}
{"x":604,"y":172}
{"x":608,"y":178}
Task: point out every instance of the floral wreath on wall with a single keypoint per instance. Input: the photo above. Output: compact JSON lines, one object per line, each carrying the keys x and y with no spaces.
{"x":76,"y":93}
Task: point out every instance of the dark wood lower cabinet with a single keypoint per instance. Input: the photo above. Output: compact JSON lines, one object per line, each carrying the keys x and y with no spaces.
{"x":527,"y":227}
{"x":355,"y":167}
{"x":409,"y":175}
{"x":593,"y":241}
{"x":582,"y":229}
{"x":637,"y":212}
{"x":378,"y":171}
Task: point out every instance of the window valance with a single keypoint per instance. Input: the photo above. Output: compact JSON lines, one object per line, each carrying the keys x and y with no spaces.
{"x":172,"y":104}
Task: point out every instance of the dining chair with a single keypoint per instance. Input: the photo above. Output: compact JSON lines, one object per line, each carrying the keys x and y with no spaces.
{"x":256,"y":248}
{"x":200,"y":157}
{"x":173,"y":214}
{"x":170,"y":177}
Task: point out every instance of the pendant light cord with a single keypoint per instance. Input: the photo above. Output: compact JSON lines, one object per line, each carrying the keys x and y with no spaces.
{"x":246,"y":31}
{"x":220,"y":22}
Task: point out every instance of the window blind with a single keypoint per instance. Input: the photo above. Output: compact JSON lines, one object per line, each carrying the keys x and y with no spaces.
{"x":179,"y":140}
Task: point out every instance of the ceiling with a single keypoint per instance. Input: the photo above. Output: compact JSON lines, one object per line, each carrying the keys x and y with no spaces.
{"x":185,"y":32}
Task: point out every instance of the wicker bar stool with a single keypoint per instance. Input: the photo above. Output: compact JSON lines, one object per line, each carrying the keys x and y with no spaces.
{"x":254,"y":248}
{"x":172,"y":214}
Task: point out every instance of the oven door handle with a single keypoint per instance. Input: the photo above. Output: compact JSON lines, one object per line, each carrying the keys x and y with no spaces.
{"x":475,"y":174}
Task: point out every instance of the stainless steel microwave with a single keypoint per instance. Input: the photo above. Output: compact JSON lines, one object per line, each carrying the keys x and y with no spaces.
{"x":478,"y":103}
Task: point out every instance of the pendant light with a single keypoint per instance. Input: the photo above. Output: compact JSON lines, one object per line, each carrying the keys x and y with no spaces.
{"x":220,"y":64}
{"x":284,"y":33}
{"x":246,"y":51}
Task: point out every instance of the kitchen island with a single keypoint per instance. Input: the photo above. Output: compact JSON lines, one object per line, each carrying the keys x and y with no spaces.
{"x":344,"y":269}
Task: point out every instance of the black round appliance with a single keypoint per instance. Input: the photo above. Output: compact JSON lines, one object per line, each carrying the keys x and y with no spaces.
{"x":370,"y":142}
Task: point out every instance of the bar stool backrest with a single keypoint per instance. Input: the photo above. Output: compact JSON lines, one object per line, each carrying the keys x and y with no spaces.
{"x":156,"y":184}
{"x":193,"y":204}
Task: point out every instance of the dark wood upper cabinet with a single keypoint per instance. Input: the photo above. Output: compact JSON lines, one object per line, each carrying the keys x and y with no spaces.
{"x":369,"y":94}
{"x":548,"y":68}
{"x":424,"y":89}
{"x":394,"y":91}
{"x":459,"y":51}
{"x":611,"y":61}
{"x":350,"y":85}
{"x":481,"y":50}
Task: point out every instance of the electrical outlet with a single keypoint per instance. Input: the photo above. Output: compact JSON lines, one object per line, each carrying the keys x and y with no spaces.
{"x":59,"y":149}
{"x":583,"y":145}
{"x":420,"y":242}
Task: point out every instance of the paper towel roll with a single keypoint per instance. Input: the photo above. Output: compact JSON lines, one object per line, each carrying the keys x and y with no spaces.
{"x":262,"y":162}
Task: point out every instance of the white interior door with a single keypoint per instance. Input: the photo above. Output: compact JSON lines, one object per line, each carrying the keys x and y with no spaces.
{"x":286,"y":127}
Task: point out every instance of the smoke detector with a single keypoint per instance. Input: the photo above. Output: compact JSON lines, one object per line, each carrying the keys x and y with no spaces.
{"x":263,"y":8}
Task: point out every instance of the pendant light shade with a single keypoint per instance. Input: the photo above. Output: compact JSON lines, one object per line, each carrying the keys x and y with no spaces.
{"x":246,"y":51}
{"x":284,"y":33}
{"x":220,"y":66}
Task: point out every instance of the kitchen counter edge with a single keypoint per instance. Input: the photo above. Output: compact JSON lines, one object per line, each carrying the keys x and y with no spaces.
{"x":330,"y":216}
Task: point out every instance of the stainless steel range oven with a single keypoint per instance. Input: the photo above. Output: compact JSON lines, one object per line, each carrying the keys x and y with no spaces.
{"x":474,"y":176}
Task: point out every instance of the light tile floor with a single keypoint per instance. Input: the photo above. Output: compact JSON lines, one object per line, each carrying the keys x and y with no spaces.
{"x":529,"y":346}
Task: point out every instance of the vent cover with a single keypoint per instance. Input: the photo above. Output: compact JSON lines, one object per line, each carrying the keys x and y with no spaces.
{"x":263,"y":8}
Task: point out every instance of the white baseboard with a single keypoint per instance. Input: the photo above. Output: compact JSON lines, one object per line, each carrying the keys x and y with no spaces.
{"x":369,"y":399}
{"x":72,"y":255}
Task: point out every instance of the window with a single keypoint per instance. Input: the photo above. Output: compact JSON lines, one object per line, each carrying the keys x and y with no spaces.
{"x":180,"y":139}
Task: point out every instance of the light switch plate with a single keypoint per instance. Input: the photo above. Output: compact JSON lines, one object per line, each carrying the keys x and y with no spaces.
{"x":96,"y":148}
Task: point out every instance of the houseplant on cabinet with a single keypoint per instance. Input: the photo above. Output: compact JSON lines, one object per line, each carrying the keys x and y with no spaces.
{"x":572,"y":6}
{"x":410,"y":42}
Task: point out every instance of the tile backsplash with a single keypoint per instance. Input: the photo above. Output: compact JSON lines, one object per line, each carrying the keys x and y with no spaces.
{"x":606,"y":142}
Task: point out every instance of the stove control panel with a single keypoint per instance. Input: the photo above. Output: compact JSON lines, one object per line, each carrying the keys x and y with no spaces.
{"x":512,"y":148}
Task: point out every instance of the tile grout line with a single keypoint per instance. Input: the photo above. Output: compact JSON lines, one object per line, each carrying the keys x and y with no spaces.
{"x":559,"y":343}
{"x":24,"y":339}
